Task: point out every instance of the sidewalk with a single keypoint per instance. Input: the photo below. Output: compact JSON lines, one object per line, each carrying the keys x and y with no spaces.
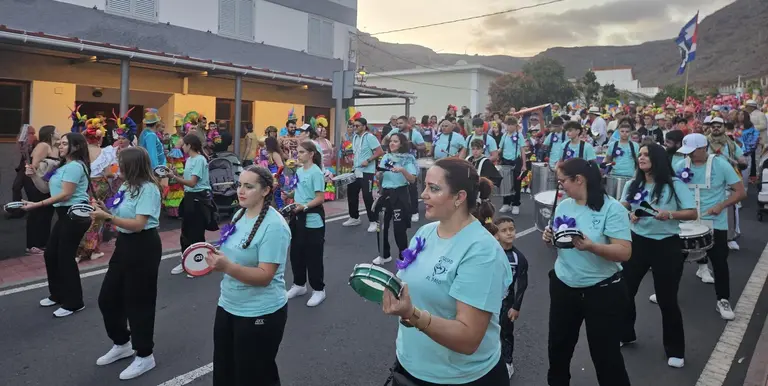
{"x":24,"y":269}
{"x":757,"y":373}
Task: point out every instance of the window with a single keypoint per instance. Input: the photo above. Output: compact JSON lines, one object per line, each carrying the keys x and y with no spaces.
{"x":14,"y":107}
{"x":139,"y":9}
{"x":320,"y":41}
{"x":236,"y":19}
{"x":225,"y":113}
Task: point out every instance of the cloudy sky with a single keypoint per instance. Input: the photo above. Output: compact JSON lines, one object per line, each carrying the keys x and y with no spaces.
{"x":528,"y":32}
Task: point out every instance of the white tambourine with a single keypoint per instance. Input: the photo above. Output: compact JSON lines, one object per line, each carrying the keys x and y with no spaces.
{"x":564,"y":238}
{"x":193,"y":259}
{"x":287,"y":210}
{"x":162,"y":171}
{"x":80,"y":212}
{"x":13,"y":207}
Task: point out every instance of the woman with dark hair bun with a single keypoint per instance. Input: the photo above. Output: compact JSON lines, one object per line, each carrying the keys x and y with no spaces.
{"x":449,"y":332}
{"x":586,"y":284}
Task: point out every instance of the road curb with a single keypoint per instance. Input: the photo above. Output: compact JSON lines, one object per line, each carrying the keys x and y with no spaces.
{"x":757,"y":372}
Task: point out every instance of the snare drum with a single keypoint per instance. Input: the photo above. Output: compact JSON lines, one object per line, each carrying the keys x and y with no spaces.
{"x":370,"y":281}
{"x":543,"y":178}
{"x":614,"y":186}
{"x":80,"y":212}
{"x":542,"y":208}
{"x":507,"y":180}
{"x":344,"y":179}
{"x":13,"y":207}
{"x":564,"y":238}
{"x":425,"y":163}
{"x":162,"y":171}
{"x":696,"y":239}
{"x":193,"y":259}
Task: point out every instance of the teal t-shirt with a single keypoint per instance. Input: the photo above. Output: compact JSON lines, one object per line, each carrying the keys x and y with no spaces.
{"x":72,"y":172}
{"x":572,"y":151}
{"x":269,"y":245}
{"x":650,"y":227}
{"x":470,"y":267}
{"x":726,"y":151}
{"x":555,"y":142}
{"x":723,"y":176}
{"x":415,"y":136}
{"x":579,"y":269}
{"x":441,"y":149}
{"x":363,"y":147}
{"x":197,"y":166}
{"x":622,"y":155}
{"x":310,"y":182}
{"x":490,"y":143}
{"x":512,"y":146}
{"x":145,"y":202}
{"x":392,"y":180}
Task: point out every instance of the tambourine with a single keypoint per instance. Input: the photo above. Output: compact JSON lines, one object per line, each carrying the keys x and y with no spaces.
{"x":370,"y":282}
{"x":13,"y":207}
{"x":193,"y":259}
{"x":80,"y":212}
{"x":162,"y":171}
{"x":287,"y":211}
{"x":564,"y":238}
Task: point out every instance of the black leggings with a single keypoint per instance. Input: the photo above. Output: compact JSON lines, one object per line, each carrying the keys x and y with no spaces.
{"x":307,"y":258}
{"x":194,"y":220}
{"x":718,"y":256}
{"x":513,"y":198}
{"x":498,"y":376}
{"x":401,"y":221}
{"x":60,"y":265}
{"x":38,"y":220}
{"x":364,"y":184}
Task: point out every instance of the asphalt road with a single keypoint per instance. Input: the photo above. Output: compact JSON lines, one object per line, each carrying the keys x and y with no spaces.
{"x":346,"y":341}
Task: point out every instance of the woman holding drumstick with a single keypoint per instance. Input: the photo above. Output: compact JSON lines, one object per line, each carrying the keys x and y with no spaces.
{"x":586,"y":284}
{"x":450,"y":322}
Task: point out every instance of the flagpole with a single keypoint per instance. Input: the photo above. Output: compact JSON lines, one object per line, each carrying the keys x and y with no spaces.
{"x":685,"y":97}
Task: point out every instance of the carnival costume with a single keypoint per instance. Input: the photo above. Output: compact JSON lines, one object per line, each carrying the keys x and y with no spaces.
{"x":176,"y":159}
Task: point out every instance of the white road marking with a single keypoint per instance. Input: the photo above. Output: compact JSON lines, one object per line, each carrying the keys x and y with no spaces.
{"x":719,"y":363}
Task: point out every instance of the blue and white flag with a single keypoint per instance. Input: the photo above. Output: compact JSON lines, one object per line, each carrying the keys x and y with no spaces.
{"x":686,"y":42}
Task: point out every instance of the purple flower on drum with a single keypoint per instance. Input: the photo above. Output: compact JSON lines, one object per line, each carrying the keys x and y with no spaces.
{"x":410,"y":254}
{"x":638,"y":197}
{"x":685,"y":175}
{"x":226,"y":231}
{"x":618,"y":152}
{"x":114,"y":201}
{"x":564,"y":222}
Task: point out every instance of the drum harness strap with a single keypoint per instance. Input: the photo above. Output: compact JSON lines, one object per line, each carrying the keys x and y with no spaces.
{"x":568,"y":146}
{"x":697,"y":187}
{"x":631,"y":149}
{"x":357,"y":147}
{"x":471,"y":137}
{"x":447,"y":148}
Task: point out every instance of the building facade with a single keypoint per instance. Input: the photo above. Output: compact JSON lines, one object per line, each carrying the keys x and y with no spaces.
{"x":624,"y":79}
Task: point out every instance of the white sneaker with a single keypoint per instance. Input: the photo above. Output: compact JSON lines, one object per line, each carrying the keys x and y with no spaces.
{"x":115,"y":354}
{"x":677,"y":363}
{"x":97,"y":255}
{"x":724,"y":308}
{"x":296,"y":291}
{"x":372,"y":227}
{"x":704,"y":274}
{"x":505,"y":209}
{"x":380,"y":261}
{"x":138,"y":366}
{"x":733,"y":245}
{"x":510,"y":370}
{"x":177,"y":270}
{"x":515,"y":210}
{"x":653,"y":300}
{"x":62,"y":313}
{"x":316,"y":299}
{"x":351,"y":222}
{"x":47,"y":302}
{"x":415,"y":218}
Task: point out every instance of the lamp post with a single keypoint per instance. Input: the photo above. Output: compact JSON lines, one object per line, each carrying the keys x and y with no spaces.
{"x":361,"y":76}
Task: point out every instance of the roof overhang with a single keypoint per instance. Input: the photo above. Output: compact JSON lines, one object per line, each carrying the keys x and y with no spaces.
{"x":431,"y":70}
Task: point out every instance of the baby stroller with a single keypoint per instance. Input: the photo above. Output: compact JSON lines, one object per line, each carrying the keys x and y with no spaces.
{"x":762,"y":187}
{"x":233,"y":159}
{"x":221,"y":172}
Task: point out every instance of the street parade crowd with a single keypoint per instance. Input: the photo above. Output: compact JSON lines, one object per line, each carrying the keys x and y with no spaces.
{"x":617,"y":191}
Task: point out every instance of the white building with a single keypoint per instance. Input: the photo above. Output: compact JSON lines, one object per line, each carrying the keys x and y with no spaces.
{"x":459,"y":85}
{"x":624,"y":79}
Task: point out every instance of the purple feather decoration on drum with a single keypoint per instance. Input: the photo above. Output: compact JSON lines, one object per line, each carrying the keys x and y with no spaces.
{"x":638,"y":197}
{"x":226,"y":231}
{"x":47,"y":176}
{"x":410,"y":255}
{"x":564,"y":222}
{"x":685,"y":175}
{"x":115,"y":200}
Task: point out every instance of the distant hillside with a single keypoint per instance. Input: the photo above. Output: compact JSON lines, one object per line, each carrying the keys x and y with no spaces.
{"x":732,"y":41}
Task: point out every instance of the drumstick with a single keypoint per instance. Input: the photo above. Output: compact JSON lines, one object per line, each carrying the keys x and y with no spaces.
{"x":223,"y":184}
{"x":554,"y":207}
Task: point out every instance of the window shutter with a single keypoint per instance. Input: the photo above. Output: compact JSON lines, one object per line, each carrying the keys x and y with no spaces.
{"x":245,"y":12}
{"x":146,"y":9}
{"x":227,"y":17}
{"x":320,"y":41}
{"x":119,"y":6}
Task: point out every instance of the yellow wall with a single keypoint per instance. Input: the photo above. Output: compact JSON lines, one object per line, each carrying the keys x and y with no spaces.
{"x":50,"y":104}
{"x":182,"y":104}
{"x":273,"y":114}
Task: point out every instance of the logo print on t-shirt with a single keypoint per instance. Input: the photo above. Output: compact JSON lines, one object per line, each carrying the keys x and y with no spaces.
{"x":439,"y":268}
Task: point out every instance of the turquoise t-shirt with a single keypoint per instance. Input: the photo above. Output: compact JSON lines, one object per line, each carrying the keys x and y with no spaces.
{"x":573,"y":151}
{"x":363,"y":147}
{"x":490,"y":143}
{"x":723,"y":176}
{"x":579,"y":269}
{"x":555,"y":142}
{"x":470,"y":267}
{"x":415,"y":136}
{"x":392,"y":180}
{"x":625,"y":163}
{"x":512,"y":146}
{"x":441,"y":149}
{"x":726,"y":151}
{"x":72,"y":172}
{"x":197,"y":166}
{"x":650,"y":227}
{"x":310,"y":182}
{"x":146,"y":202}
{"x":269,"y":245}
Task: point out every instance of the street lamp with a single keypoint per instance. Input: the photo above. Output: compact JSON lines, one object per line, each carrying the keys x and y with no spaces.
{"x":361,"y":75}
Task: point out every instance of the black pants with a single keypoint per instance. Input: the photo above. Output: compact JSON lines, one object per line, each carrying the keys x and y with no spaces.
{"x":307,"y":258}
{"x":194,"y":221}
{"x":400,"y":224}
{"x":498,"y":376}
{"x":129,"y":291}
{"x":353,"y":196}
{"x":718,"y":256}
{"x":513,"y":199}
{"x":507,"y":333}
{"x":413,"y":192}
{"x":666,"y":260}
{"x":602,"y":307}
{"x":60,"y":265}
{"x":18,"y":181}
{"x":244,"y":349}
{"x":38,"y":220}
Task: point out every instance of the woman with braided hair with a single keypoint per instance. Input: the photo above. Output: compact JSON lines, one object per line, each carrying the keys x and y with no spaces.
{"x":252,"y":309}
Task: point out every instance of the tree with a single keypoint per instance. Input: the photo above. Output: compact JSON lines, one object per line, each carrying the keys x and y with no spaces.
{"x":610,"y":94}
{"x":542,"y":81}
{"x":674,"y":91}
{"x":589,"y":87}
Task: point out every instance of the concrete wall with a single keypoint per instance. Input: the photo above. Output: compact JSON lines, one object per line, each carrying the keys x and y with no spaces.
{"x":50,"y":104}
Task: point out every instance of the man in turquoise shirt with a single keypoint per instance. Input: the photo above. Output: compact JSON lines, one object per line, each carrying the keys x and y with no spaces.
{"x":555,"y":141}
{"x":491,"y":148}
{"x":366,"y":149}
{"x":623,"y":153}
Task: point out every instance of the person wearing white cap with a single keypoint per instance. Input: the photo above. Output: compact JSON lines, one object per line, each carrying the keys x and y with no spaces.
{"x":708,"y":176}
{"x":758,"y":119}
{"x":598,"y":126}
